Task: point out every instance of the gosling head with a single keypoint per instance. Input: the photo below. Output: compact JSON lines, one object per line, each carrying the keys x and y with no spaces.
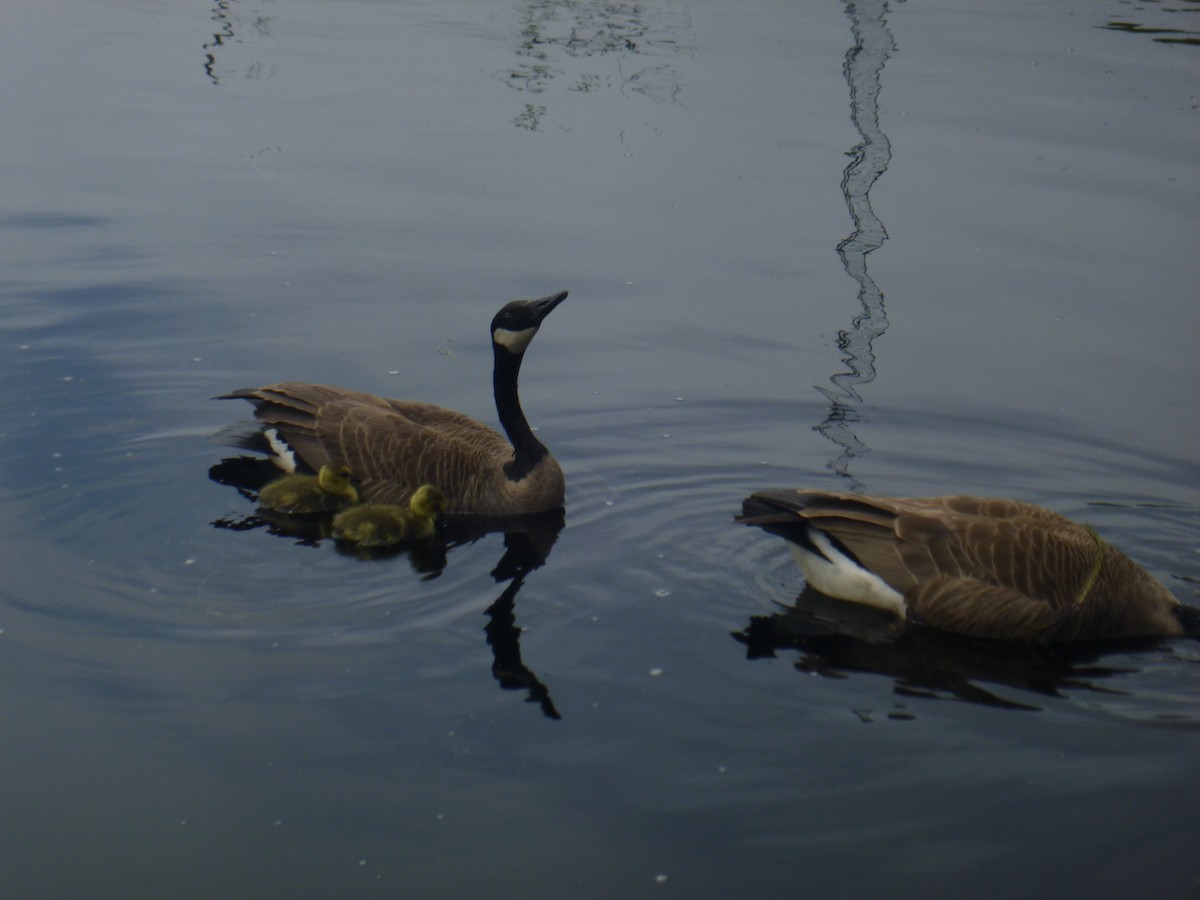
{"x":516,"y":324}
{"x":336,"y":480}
{"x":427,"y":501}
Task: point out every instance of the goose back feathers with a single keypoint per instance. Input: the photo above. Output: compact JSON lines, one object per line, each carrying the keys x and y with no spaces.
{"x":972,"y":565}
{"x":394,"y":446}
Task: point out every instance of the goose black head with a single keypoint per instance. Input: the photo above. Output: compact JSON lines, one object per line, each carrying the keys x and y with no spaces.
{"x":516,"y":324}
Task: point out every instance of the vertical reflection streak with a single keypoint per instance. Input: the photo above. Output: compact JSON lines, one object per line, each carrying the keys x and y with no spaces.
{"x":863,"y":69}
{"x":223,"y":35}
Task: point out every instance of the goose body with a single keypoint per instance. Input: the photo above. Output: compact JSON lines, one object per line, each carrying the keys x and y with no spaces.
{"x":972,"y":565}
{"x":328,"y":490}
{"x":385,"y":524}
{"x":394,"y":446}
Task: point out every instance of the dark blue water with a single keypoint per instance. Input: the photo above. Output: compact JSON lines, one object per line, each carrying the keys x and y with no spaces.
{"x":907,"y":248}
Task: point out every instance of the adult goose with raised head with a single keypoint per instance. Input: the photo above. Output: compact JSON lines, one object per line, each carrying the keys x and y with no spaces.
{"x":395,"y":446}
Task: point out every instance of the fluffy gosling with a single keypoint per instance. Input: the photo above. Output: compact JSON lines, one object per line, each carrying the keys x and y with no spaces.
{"x":384,"y":524}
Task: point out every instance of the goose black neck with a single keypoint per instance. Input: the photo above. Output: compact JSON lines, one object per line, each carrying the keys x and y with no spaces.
{"x":527,"y":449}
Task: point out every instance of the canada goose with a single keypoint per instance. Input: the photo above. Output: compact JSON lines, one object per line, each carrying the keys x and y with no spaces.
{"x":972,"y":565}
{"x":326,"y":491}
{"x":383,"y":524}
{"x":393,"y":446}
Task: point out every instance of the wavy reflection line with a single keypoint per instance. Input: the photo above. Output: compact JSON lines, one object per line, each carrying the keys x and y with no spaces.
{"x":223,"y":35}
{"x":863,"y":69}
{"x":229,"y":25}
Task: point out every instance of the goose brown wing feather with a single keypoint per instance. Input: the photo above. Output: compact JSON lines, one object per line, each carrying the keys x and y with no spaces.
{"x":1048,"y":565}
{"x":985,"y":566}
{"x":909,"y":541}
{"x":971,"y":607}
{"x":391,"y":446}
{"x":876,"y":548}
{"x":1061,"y":584}
{"x":873,"y":530}
{"x":393,"y":455}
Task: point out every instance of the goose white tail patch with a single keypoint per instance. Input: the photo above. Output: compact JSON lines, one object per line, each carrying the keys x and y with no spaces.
{"x":835,"y":574}
{"x":514,"y":342}
{"x":282,"y":453}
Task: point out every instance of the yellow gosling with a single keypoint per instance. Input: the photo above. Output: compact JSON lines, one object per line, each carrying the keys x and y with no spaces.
{"x":329,"y":490}
{"x":383,"y":524}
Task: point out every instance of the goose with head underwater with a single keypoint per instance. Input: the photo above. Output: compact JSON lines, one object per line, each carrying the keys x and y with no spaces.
{"x":394,"y":446}
{"x":976,"y":566}
{"x":386,"y":524}
{"x":330,"y":489}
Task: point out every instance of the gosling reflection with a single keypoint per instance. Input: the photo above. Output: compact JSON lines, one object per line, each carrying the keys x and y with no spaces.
{"x":424,"y":536}
{"x":427,"y":557}
{"x":834,"y":641}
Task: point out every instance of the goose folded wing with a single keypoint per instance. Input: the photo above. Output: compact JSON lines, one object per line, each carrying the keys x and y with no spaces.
{"x":971,"y":607}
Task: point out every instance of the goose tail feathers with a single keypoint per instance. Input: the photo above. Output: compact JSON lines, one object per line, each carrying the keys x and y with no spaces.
{"x":776,"y":512}
{"x":782,"y":513}
{"x":828,"y":565}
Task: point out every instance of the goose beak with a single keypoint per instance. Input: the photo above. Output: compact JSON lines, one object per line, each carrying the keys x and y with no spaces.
{"x":545,"y":305}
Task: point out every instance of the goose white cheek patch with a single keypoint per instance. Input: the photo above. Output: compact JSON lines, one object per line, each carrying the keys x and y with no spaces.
{"x":514,"y":341}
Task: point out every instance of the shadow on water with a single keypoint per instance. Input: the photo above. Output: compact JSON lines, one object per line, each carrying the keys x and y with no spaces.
{"x":836,"y":639}
{"x":528,"y":541}
{"x":863,"y":69}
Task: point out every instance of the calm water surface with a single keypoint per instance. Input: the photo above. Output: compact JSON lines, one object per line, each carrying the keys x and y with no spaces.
{"x":906,"y":248}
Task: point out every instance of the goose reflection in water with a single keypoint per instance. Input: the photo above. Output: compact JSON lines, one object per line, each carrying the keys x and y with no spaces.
{"x":528,"y":541}
{"x":836,"y":639}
